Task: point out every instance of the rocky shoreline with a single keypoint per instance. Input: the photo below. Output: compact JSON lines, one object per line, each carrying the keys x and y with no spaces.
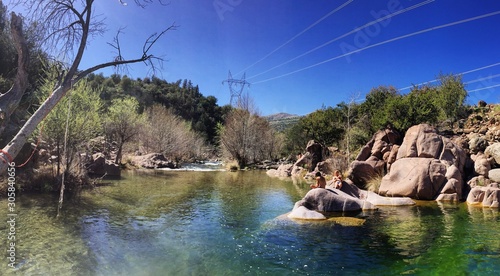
{"x":456,"y":165}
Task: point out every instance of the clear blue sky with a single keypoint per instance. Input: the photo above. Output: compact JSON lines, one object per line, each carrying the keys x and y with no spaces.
{"x":215,"y":36}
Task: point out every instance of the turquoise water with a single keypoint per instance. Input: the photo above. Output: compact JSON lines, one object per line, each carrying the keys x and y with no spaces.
{"x":222,"y":223}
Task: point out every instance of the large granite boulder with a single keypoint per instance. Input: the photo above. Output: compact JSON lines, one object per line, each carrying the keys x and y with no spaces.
{"x":423,"y":141}
{"x":348,"y":198}
{"x":419,"y":178}
{"x":428,"y":166}
{"x":315,"y":150}
{"x":327,"y":200}
{"x":361,"y":172}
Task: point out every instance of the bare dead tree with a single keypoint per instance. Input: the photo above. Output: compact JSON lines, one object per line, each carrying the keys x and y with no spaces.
{"x":67,"y":26}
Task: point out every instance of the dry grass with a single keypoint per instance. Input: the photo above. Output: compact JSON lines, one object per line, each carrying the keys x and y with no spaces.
{"x":373,"y":184}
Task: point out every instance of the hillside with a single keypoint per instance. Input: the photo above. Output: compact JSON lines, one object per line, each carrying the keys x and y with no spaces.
{"x":282,"y":121}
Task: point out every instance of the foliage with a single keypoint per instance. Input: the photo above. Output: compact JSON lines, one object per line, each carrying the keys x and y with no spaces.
{"x":374,"y":108}
{"x":181,"y":97}
{"x":122,"y":122}
{"x":450,"y":99}
{"x":169,"y":134}
{"x":247,"y":137}
{"x":81,"y":110}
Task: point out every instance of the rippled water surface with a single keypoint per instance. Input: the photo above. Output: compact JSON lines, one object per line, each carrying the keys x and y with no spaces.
{"x":222,"y":223}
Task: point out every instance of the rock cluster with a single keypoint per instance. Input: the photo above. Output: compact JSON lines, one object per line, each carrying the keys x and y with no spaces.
{"x":427,"y":166}
{"x":376,"y":157}
{"x":98,"y":166}
{"x":153,"y":161}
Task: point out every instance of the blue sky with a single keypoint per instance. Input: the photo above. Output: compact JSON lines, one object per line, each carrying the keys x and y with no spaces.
{"x":253,"y":36}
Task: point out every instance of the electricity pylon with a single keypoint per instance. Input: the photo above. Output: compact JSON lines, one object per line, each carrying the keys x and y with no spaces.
{"x":236,"y":88}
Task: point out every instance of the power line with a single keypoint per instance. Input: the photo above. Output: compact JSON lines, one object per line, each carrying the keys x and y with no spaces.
{"x":482,"y":79}
{"x":347,"y":34}
{"x":382,"y":43}
{"x":297,"y":35}
{"x":463,"y":73}
{"x":484,"y":88}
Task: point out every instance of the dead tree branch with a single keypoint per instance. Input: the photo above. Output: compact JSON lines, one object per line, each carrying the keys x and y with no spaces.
{"x":73,"y":28}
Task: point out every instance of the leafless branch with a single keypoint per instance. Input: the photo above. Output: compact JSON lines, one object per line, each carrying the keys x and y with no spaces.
{"x":144,"y":3}
{"x":116,"y":44}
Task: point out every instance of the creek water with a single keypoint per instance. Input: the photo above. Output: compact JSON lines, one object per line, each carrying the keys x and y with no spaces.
{"x":231,"y":223}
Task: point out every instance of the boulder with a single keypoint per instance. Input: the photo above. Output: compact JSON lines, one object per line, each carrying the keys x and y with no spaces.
{"x":374,"y":156}
{"x":409,"y":146}
{"x":494,"y":175}
{"x":282,"y":171}
{"x":453,"y":155}
{"x":326,"y":200}
{"x":493,"y":151}
{"x":448,"y":197}
{"x":360,"y":172}
{"x":330,"y":165}
{"x":482,"y":165}
{"x":484,"y":196}
{"x":420,"y":178}
{"x":477,"y":144}
{"x":348,"y":198}
{"x":364,"y":153}
{"x":99,"y":166}
{"x":154,"y":161}
{"x":315,"y":149}
{"x":478,"y":181}
{"x":424,"y":141}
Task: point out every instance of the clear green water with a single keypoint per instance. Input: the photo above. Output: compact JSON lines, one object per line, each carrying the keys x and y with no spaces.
{"x":221,"y":223}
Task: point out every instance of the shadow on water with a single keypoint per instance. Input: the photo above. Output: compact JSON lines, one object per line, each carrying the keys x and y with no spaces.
{"x":221,"y":223}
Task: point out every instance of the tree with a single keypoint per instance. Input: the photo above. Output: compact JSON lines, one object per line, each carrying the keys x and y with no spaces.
{"x":67,"y":26}
{"x":80,"y":112}
{"x":122,"y":123}
{"x":169,"y":134}
{"x":247,"y":137}
{"x":450,"y":98}
{"x":374,"y":107}
{"x":324,"y":125}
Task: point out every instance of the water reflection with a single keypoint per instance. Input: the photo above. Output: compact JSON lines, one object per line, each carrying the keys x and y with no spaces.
{"x":220,"y":223}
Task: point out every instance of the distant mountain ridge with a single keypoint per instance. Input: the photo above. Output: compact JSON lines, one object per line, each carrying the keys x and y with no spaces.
{"x":280,"y":116}
{"x":282,"y":121}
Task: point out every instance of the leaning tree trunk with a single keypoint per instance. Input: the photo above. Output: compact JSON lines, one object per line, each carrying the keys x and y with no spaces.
{"x":73,"y":75}
{"x":10,"y":100}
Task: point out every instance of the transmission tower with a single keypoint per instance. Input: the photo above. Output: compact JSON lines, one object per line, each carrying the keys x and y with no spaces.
{"x":236,"y":88}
